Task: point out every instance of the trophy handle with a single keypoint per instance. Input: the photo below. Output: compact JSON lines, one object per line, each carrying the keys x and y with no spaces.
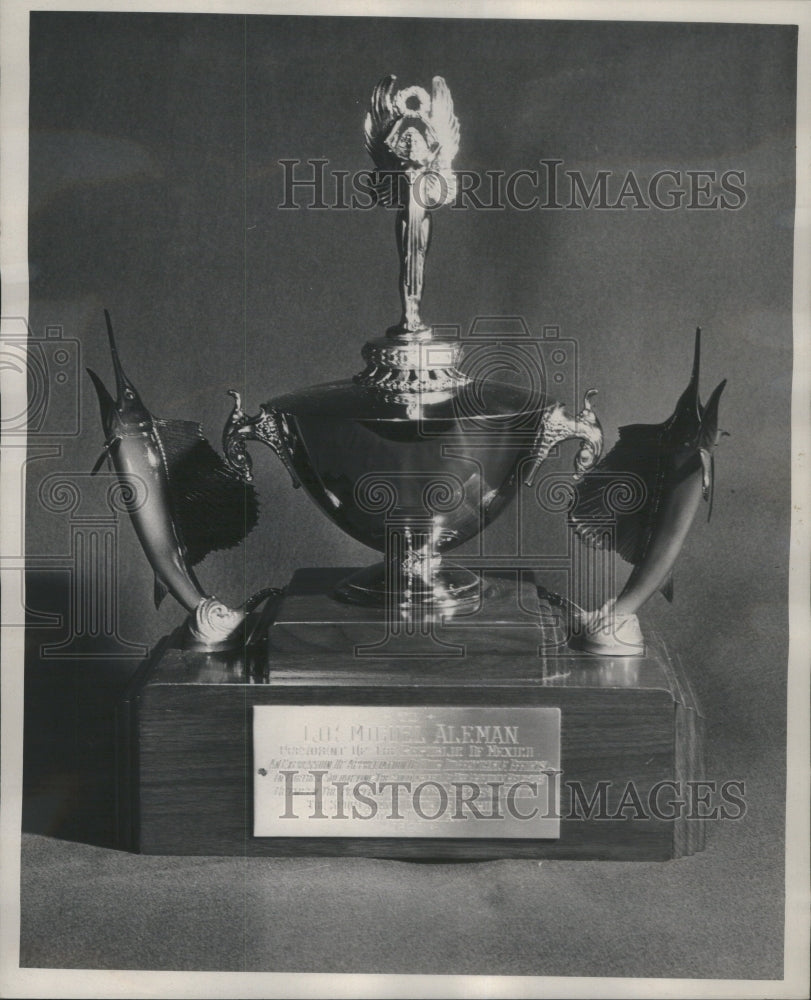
{"x":264,"y":427}
{"x":557,"y":425}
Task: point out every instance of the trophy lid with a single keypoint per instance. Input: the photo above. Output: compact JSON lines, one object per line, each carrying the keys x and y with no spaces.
{"x":473,"y":401}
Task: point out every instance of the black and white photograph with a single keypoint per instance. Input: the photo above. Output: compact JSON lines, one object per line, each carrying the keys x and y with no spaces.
{"x":405,"y":491}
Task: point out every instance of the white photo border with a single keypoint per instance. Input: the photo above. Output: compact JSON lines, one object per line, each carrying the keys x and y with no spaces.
{"x":25,"y":982}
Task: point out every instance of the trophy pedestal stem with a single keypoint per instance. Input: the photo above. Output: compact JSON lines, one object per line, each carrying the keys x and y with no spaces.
{"x":448,"y":589}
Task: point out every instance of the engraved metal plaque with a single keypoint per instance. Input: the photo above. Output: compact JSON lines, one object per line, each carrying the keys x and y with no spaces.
{"x":417,"y":771}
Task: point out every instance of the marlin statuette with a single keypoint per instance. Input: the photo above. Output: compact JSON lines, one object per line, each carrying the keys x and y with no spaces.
{"x":185,"y":504}
{"x":672,"y":464}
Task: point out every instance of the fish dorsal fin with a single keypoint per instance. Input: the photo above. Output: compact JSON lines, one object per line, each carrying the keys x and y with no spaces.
{"x":636,"y":462}
{"x":213,"y":509}
{"x":666,"y":589}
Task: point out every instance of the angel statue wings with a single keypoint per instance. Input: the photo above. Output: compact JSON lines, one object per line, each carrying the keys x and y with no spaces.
{"x":412,"y":138}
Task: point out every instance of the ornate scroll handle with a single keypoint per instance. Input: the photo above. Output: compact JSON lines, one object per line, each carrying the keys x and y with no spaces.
{"x":264,"y":427}
{"x":557,"y":425}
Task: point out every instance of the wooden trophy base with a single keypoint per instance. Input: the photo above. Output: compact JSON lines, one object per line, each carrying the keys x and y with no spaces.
{"x":499,"y":741}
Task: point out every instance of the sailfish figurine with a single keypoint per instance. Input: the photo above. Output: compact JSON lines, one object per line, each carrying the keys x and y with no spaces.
{"x":672,"y":464}
{"x":183,"y":501}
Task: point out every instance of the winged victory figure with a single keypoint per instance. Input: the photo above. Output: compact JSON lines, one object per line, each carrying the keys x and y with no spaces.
{"x":412,"y":138}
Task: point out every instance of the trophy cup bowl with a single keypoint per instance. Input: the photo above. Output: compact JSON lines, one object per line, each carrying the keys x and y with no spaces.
{"x":415,"y":473}
{"x":412,"y":482}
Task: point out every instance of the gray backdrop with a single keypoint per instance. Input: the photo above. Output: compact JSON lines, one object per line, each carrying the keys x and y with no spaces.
{"x":154,"y":192}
